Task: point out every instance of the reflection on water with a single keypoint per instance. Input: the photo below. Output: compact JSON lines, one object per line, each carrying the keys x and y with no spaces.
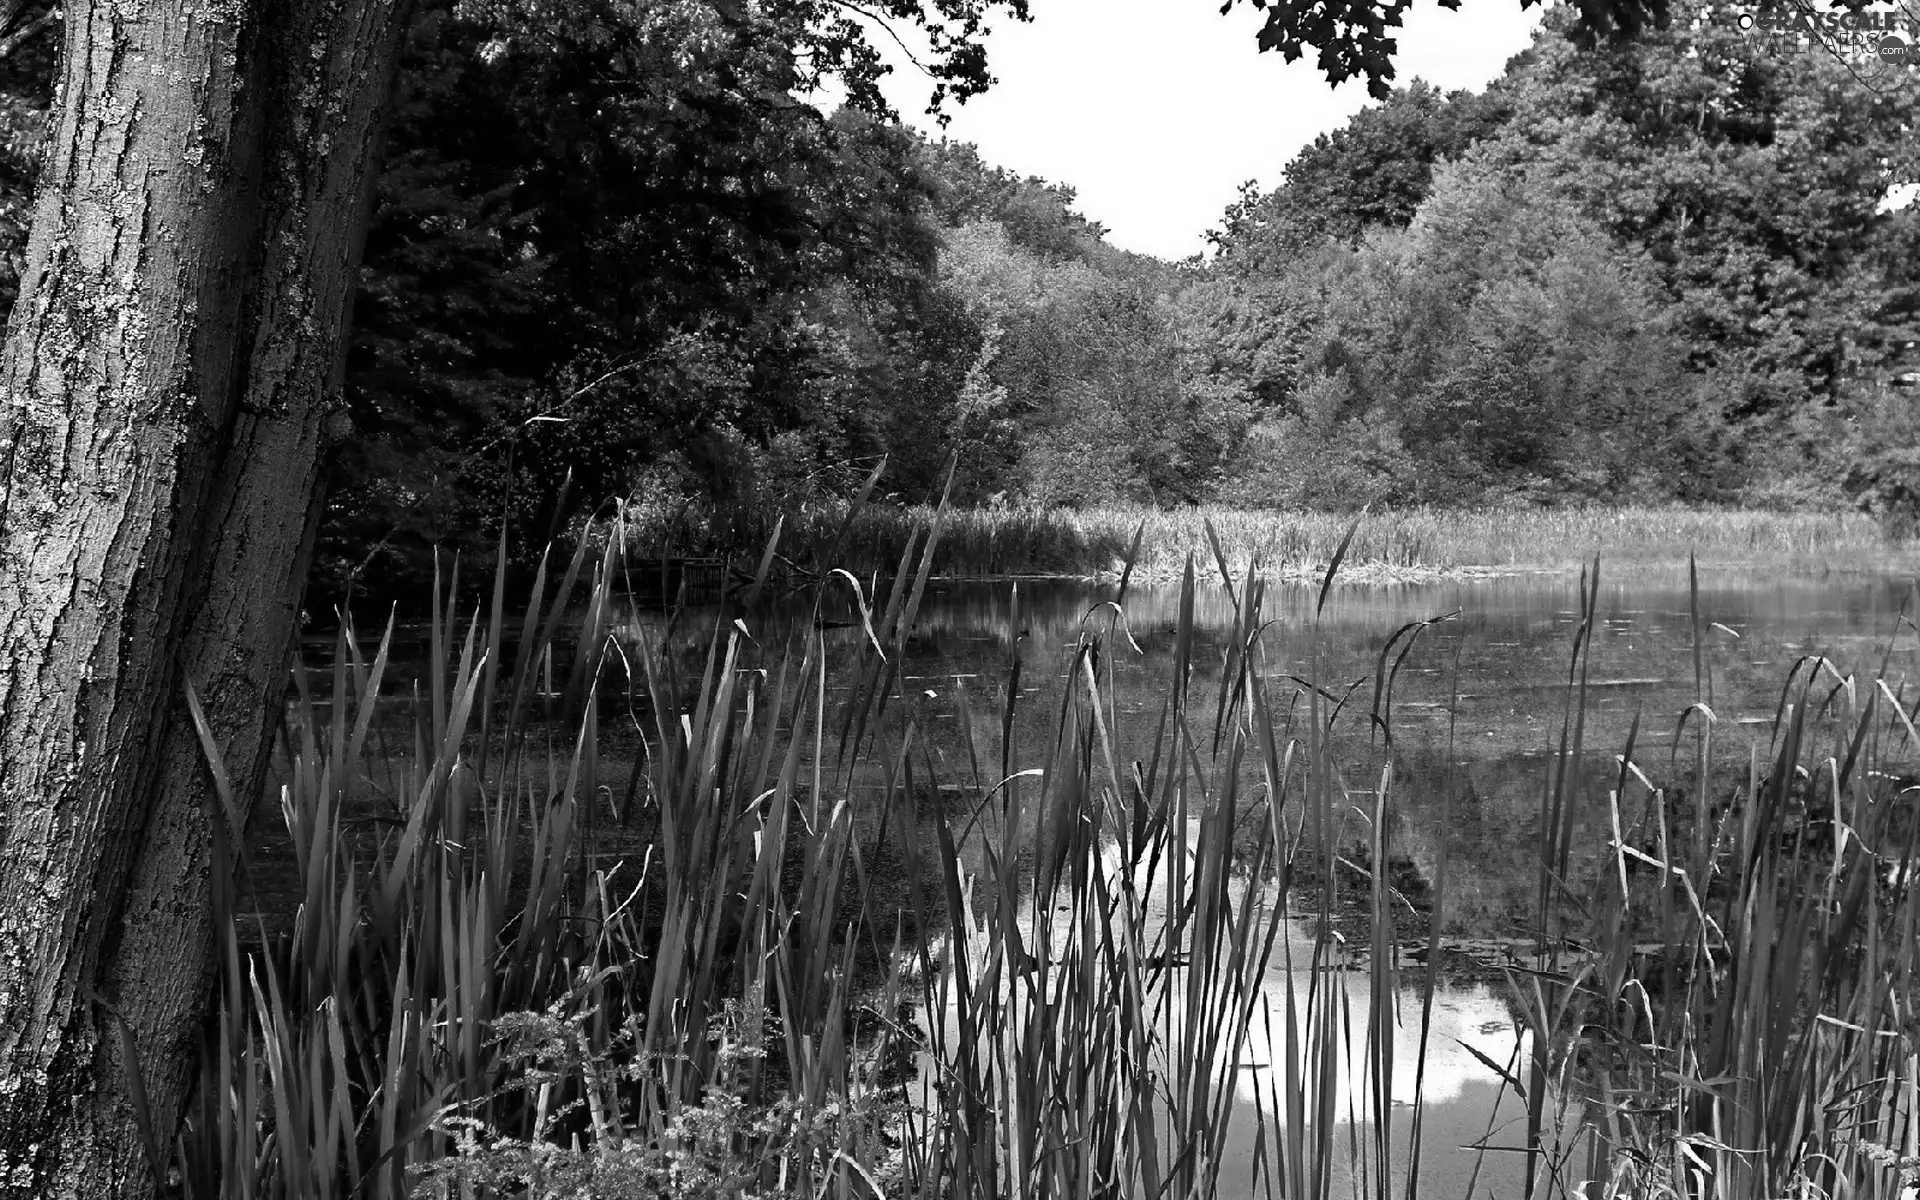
{"x":1462,"y":1103}
{"x":1471,"y":710}
{"x":1474,"y":708}
{"x":1465,"y":1020}
{"x":1440,"y":1049}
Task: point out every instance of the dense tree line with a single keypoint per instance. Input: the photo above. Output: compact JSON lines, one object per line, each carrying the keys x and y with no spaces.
{"x":1656,"y":269}
{"x":623,"y":258}
{"x":708,"y":299}
{"x":1662,"y":268}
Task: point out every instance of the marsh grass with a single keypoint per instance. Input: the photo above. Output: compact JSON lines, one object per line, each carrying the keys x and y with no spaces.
{"x":1075,"y":996}
{"x":1410,"y":545}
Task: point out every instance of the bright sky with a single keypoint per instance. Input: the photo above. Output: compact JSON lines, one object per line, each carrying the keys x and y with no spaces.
{"x":1157,"y":110}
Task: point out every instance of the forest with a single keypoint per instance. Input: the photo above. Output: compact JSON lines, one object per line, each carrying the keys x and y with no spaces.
{"x":625,"y":260}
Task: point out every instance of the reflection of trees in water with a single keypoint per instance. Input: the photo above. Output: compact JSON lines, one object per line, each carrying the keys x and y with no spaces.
{"x":1477,"y":704}
{"x":1487,"y":813}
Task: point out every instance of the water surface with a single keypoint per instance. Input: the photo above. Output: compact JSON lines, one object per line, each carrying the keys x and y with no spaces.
{"x":1473,"y":713}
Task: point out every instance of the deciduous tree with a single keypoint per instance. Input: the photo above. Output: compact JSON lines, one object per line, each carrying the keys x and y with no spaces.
{"x":173,"y":375}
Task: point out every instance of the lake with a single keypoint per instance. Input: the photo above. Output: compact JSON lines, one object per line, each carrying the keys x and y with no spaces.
{"x":1471,"y":700}
{"x":1476,"y":710}
{"x":1476,"y":705}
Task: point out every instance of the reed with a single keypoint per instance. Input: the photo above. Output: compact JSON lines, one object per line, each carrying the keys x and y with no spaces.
{"x":773,"y":956}
{"x":1399,"y":545}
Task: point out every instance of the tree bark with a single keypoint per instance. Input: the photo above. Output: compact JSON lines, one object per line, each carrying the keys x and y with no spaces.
{"x":172,"y":372}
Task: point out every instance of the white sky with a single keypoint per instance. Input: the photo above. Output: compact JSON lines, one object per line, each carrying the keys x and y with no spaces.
{"x":1157,"y":110}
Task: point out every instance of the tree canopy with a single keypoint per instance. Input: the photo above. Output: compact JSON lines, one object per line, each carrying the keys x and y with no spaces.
{"x":1353,"y":38}
{"x":1654,"y":267}
{"x":615,"y":255}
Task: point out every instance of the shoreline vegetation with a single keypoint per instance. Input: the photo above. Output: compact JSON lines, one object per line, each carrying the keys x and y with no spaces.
{"x":824,"y":975}
{"x":1403,"y":546}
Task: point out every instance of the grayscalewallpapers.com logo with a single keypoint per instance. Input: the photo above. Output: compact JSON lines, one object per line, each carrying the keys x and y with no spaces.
{"x":1882,"y":39}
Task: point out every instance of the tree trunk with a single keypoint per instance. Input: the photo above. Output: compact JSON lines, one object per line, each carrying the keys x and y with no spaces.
{"x":172,"y":371}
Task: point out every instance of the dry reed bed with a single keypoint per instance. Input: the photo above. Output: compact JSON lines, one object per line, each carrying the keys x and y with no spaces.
{"x":1414,"y":545}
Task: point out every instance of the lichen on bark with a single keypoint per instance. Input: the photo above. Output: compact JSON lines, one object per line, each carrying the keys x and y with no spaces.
{"x":159,"y":460}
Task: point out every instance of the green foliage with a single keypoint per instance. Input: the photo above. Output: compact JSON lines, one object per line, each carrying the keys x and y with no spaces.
{"x":1372,"y":172}
{"x":1752,"y":175}
{"x":1036,"y":216}
{"x":615,"y":258}
{"x":615,"y":241}
{"x":1353,"y":37}
{"x":716,"y":1148}
{"x":1883,"y":476}
{"x":1499,"y":346}
{"x":823,"y":41}
{"x":1078,"y":394}
{"x":1655,"y":268}
{"x":613,"y":237}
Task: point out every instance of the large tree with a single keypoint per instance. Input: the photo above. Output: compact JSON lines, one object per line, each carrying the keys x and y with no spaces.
{"x":173,"y":377}
{"x":172,"y":374}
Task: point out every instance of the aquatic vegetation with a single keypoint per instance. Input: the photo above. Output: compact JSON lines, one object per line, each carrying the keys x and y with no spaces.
{"x":1406,"y":544}
{"x":790,"y":948}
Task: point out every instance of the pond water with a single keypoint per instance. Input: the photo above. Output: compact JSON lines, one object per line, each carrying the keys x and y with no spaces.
{"x":1439,"y":1048}
{"x":1478,"y":705}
